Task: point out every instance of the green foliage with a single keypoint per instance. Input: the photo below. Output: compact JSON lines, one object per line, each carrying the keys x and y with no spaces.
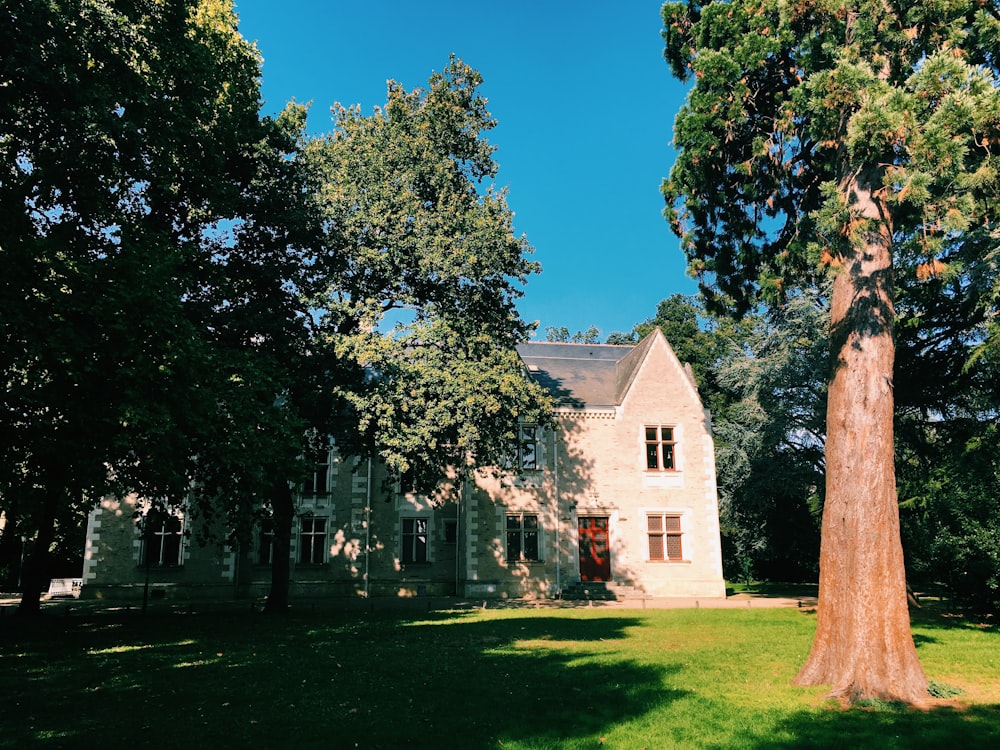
{"x":194,"y":295}
{"x":131,"y":150}
{"x":950,"y":513}
{"x":947,"y":406}
{"x":420,"y":274}
{"x":942,"y":690}
{"x":562,"y":335}
{"x":769,"y":428}
{"x":787,"y":94}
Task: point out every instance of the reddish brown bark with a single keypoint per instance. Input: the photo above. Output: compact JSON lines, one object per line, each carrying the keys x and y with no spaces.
{"x":863,"y":647}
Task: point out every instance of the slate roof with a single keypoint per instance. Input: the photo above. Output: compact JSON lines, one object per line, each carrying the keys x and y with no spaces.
{"x":585,"y":375}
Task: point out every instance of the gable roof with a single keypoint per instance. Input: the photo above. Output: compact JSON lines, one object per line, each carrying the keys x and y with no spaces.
{"x":585,"y":375}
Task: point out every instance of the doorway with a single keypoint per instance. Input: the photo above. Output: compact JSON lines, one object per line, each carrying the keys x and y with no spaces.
{"x":595,"y":549}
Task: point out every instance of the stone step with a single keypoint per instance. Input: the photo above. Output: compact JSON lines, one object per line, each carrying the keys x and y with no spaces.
{"x":597,"y":590}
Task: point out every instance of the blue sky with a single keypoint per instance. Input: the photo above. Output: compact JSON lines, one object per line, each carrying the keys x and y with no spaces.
{"x":585,"y":107}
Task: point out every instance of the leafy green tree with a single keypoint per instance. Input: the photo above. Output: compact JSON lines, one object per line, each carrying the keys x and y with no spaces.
{"x":130,"y":144}
{"x":618,"y":338}
{"x":948,"y":402}
{"x":770,"y":435}
{"x":855,"y":139}
{"x":948,"y":488}
{"x":417,"y":284}
{"x":280,"y":405}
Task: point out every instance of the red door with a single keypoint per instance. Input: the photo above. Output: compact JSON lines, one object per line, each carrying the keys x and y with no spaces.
{"x":595,"y":552}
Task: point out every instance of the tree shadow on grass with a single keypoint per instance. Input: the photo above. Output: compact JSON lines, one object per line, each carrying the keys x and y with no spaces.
{"x":885,"y":727}
{"x":380,"y":681}
{"x":943,"y":616}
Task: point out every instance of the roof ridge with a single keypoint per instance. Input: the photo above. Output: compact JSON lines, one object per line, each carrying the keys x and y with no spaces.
{"x":628,"y":366}
{"x":576,"y":345}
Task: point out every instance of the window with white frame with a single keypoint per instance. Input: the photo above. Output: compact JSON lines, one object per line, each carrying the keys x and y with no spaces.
{"x":413,"y":540}
{"x":661,"y":448}
{"x":162,"y":539}
{"x":318,"y":483}
{"x":312,"y":540}
{"x":665,"y":533}
{"x":525,"y":452}
{"x":528,"y":447}
{"x":522,"y":537}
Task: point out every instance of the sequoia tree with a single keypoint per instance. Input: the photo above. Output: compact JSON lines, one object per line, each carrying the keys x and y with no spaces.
{"x":852,"y":138}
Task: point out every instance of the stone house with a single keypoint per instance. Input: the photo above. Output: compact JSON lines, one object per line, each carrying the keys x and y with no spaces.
{"x":621,"y":495}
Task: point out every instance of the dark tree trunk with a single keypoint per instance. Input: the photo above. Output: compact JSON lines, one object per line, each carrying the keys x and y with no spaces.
{"x":36,"y":570}
{"x":863,"y":647}
{"x":284,"y":517}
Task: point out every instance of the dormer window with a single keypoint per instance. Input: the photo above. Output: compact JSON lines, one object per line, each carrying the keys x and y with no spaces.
{"x":528,"y":447}
{"x":660,"y":448}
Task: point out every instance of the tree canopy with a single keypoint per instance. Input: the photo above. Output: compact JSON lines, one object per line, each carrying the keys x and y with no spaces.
{"x":422,"y":271}
{"x":130,"y":141}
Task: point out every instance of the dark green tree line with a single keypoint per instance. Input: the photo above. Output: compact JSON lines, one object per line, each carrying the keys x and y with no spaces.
{"x":130,"y":138}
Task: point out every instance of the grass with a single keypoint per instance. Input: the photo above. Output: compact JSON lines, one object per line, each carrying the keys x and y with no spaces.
{"x":515,"y":678}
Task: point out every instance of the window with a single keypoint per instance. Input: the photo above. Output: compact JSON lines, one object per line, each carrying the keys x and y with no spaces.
{"x":660,"y":449}
{"x":265,"y":542}
{"x":319,"y":482}
{"x":522,"y":537}
{"x":161,"y":539}
{"x":450,"y":531}
{"x":664,"y":531}
{"x":312,"y":540}
{"x":528,"y":447}
{"x":414,"y":540}
{"x":525,"y":454}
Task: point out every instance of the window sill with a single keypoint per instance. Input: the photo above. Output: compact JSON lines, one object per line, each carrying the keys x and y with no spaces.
{"x":669,"y":562}
{"x":673,"y":479}
{"x":527,"y":479}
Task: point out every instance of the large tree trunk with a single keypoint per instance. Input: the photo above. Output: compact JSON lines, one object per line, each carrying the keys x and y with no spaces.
{"x":863,"y":647}
{"x":284,"y":517}
{"x":36,"y":570}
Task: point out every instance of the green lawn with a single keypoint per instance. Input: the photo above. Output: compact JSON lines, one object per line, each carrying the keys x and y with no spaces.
{"x":516,"y":678}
